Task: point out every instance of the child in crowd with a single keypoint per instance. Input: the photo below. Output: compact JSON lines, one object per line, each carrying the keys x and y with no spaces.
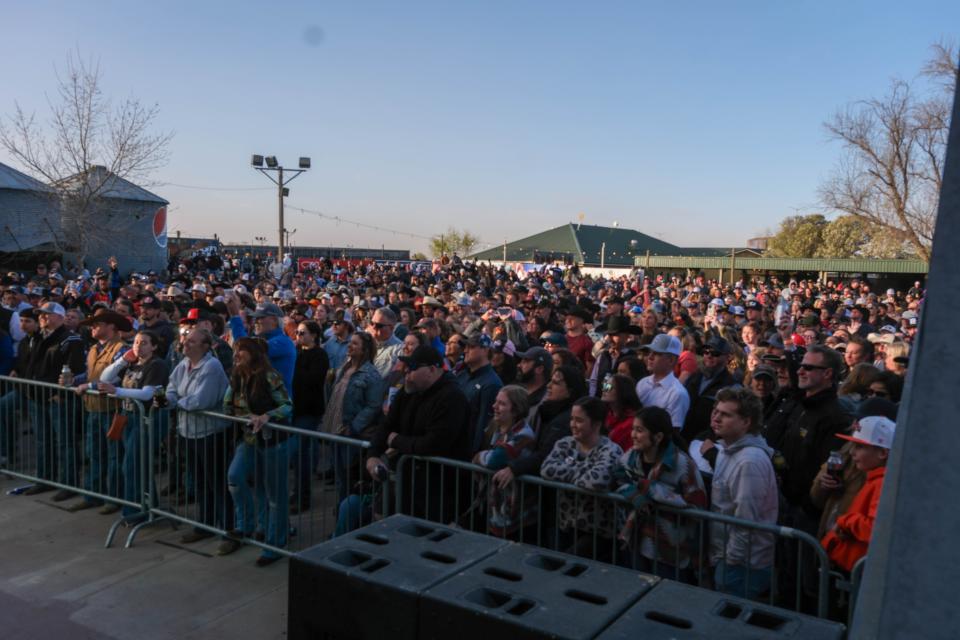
{"x":847,"y":541}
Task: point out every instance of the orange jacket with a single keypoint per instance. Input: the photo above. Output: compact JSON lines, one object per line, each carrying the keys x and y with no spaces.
{"x":856,"y":524}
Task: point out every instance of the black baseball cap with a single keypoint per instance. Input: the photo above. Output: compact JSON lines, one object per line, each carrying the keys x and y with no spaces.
{"x":423,"y":356}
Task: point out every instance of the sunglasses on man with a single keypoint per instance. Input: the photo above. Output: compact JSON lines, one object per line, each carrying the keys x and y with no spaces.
{"x":812,"y":367}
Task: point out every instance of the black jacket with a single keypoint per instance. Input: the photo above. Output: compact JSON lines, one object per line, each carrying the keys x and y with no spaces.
{"x":701,"y":403}
{"x":25,"y":354}
{"x":59,"y":348}
{"x":431,"y":423}
{"x":804,"y":430}
{"x":551,"y":423}
{"x":309,"y":377}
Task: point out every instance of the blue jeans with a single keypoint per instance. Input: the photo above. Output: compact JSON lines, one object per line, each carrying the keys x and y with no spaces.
{"x":11,"y":404}
{"x":132,"y":465}
{"x":346,"y":468}
{"x":266,"y":468}
{"x":733,"y":579}
{"x":101,"y":456}
{"x":354,"y":512}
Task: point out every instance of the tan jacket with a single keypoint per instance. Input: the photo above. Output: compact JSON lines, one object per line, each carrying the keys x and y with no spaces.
{"x":99,"y":358}
{"x":836,"y":503}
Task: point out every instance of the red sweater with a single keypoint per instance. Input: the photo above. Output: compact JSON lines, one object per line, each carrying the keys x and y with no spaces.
{"x":856,"y":524}
{"x":619,"y":429}
{"x":582,"y":346}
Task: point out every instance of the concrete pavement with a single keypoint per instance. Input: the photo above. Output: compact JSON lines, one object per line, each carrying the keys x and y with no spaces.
{"x":58,"y":581}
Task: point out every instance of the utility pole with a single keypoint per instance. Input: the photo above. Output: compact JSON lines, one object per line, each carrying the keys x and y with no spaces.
{"x":282,"y":191}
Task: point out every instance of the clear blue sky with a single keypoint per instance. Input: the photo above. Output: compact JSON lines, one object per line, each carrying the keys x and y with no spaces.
{"x":698,"y":122}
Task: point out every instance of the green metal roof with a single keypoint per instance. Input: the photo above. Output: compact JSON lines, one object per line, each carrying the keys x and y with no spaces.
{"x":582,"y":243}
{"x":840,"y":265}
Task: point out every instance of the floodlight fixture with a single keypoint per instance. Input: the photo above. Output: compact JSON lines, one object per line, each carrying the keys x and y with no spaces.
{"x":304,"y":163}
{"x":271,"y":161}
{"x":256,"y":161}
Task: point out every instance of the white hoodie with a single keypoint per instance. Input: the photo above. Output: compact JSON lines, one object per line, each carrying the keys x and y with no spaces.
{"x":744,"y":486}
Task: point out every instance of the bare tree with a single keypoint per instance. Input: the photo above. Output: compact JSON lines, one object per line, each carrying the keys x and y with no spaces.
{"x":891,"y":171}
{"x":87,"y":145}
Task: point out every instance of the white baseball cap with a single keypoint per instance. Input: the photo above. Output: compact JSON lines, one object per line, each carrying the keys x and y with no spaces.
{"x":876,"y":431}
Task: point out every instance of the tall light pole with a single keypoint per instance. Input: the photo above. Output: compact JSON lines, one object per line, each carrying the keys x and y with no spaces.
{"x":257,"y":161}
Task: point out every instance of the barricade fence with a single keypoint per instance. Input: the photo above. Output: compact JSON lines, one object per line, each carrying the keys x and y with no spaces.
{"x":684,"y":544}
{"x":290,"y":488}
{"x":280,"y":490}
{"x":61,"y":440}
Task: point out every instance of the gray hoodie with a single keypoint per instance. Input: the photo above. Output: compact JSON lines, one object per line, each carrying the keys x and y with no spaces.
{"x":744,"y":486}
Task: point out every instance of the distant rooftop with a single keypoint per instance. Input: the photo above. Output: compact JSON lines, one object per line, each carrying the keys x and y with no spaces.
{"x":10,"y":178}
{"x":115,"y":187}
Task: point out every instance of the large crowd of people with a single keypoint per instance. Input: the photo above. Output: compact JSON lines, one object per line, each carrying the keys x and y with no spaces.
{"x":770,"y":400}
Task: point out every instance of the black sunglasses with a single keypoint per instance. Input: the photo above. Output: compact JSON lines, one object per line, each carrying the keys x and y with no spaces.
{"x":877,"y":394}
{"x":711,"y":352}
{"x":812,"y":367}
{"x":380,"y":325}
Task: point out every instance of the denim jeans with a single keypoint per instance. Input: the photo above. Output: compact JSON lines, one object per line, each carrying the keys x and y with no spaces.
{"x":265,"y":504}
{"x":97,"y":452}
{"x":734,"y":579}
{"x":347,"y":469}
{"x":41,"y":423}
{"x":132,"y":463}
{"x":12,"y":402}
{"x":354,"y":512}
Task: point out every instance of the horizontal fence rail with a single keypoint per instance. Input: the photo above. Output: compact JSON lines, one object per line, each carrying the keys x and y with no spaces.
{"x":297,"y":487}
{"x":567,"y":518}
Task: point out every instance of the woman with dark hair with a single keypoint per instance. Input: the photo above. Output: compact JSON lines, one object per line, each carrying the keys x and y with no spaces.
{"x":258,"y":393}
{"x":656,"y":469}
{"x":632,"y":367}
{"x":140,"y":372}
{"x":534,"y":327}
{"x":586,"y":459}
{"x":887,"y":385}
{"x":309,"y":373}
{"x":564,"y":357}
{"x":619,"y":393}
{"x":353,"y":406}
{"x":504,"y":361}
{"x":551,"y":422}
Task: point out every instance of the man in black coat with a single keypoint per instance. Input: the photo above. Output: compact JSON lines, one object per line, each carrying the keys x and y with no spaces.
{"x":804,"y":428}
{"x":55,"y":414}
{"x":428,"y":417}
{"x":702,"y":387}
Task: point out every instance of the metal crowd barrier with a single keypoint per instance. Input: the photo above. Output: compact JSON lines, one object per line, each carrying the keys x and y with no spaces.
{"x":50,"y":437}
{"x":58,"y":440}
{"x":856,"y":577}
{"x":563,"y":517}
{"x":284,"y":497}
